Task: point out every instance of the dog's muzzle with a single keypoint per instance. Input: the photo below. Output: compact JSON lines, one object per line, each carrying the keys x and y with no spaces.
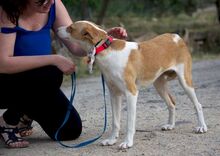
{"x":62,"y":33}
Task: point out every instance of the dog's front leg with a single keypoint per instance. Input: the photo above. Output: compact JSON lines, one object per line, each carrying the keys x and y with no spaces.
{"x":116,"y":116}
{"x":131,"y":119}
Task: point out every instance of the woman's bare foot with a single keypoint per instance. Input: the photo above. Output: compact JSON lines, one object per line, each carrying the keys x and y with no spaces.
{"x":24,"y":126}
{"x":10,"y":135}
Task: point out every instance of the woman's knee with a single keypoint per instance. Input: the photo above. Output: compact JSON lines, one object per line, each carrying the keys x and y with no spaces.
{"x":68,"y":132}
{"x":73,"y":128}
{"x":71,"y":133}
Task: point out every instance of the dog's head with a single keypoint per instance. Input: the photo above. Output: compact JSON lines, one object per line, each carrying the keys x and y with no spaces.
{"x":86,"y":33}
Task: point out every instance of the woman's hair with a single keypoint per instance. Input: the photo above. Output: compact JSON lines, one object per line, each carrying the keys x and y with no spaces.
{"x":40,"y":2}
{"x":14,"y":8}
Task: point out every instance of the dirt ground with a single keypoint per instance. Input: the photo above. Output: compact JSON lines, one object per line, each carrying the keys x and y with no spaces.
{"x":151,"y":115}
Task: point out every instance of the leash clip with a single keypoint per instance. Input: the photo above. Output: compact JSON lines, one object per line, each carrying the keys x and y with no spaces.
{"x":91,"y":59}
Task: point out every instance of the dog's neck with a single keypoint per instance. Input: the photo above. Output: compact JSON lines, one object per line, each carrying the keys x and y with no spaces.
{"x":98,"y":48}
{"x":103,"y":44}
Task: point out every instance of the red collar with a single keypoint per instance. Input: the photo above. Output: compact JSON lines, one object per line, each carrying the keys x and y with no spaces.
{"x":104,"y":46}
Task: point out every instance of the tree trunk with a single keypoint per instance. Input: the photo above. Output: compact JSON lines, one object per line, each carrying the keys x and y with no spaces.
{"x":85,"y":10}
{"x":217,"y":2}
{"x":102,"y":12}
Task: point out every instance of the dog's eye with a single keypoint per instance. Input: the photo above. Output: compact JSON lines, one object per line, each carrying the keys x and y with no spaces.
{"x":85,"y":33}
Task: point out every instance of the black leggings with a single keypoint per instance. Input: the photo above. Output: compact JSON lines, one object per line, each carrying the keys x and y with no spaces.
{"x":36,"y":93}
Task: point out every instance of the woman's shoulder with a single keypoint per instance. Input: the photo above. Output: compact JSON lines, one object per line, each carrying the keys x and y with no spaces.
{"x":62,"y":15}
{"x":4,"y":21}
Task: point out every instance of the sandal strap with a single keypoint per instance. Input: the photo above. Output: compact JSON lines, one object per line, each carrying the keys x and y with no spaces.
{"x":8,"y":129}
{"x":15,"y":139}
{"x":25,"y":129}
{"x":11,"y":135}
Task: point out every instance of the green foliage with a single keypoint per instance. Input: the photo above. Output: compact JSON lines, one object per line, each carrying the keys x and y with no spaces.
{"x":155,"y":8}
{"x":75,"y":6}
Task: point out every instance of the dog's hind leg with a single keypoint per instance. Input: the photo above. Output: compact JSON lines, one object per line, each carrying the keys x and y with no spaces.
{"x":116,"y":116}
{"x":161,"y":86}
{"x":185,"y":79}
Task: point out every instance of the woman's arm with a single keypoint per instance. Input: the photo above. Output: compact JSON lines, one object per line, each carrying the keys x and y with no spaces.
{"x":14,"y":64}
{"x":63,"y":19}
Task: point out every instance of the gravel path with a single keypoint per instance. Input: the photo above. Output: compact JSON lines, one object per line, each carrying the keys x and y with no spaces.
{"x":151,"y":114}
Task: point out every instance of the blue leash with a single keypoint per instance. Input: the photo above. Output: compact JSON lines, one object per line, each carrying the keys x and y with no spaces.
{"x":73,"y":91}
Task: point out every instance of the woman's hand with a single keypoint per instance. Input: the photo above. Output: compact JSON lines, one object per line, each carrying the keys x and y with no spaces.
{"x":118,"y":32}
{"x":64,"y":64}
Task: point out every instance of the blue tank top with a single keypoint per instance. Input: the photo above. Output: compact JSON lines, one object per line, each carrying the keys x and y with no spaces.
{"x":29,"y":43}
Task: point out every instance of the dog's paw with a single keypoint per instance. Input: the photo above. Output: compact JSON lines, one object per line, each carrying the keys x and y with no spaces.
{"x":202,"y":129}
{"x":108,"y":142}
{"x":125,"y":145}
{"x":167,"y":127}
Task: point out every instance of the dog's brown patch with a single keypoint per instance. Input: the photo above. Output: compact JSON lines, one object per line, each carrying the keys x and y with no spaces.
{"x":156,"y":56}
{"x":118,"y":45}
{"x":130,"y":73}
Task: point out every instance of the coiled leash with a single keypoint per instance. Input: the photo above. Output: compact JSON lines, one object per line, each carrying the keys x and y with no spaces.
{"x":72,"y":95}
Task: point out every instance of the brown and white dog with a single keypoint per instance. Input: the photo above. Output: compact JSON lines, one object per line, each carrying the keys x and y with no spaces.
{"x":128,"y":65}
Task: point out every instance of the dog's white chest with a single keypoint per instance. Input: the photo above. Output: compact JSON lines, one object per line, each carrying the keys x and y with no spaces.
{"x":114,"y":63}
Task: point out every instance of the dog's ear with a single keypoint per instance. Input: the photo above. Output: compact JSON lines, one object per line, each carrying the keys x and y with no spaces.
{"x":90,"y":34}
{"x":86,"y":34}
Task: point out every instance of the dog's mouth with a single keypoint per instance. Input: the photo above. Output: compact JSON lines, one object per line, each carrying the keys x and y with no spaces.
{"x":63,"y":32}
